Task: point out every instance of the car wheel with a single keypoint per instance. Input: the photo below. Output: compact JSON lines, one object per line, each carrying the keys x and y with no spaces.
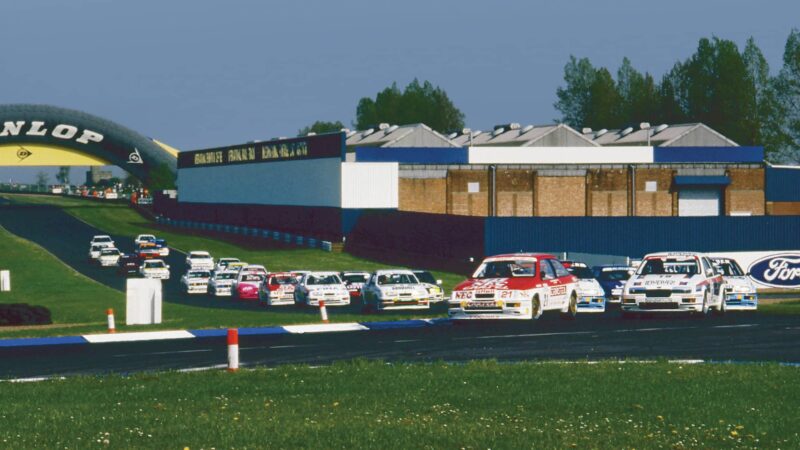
{"x":536,"y":308}
{"x":572,"y":308}
{"x":704,"y":312}
{"x":722,"y":308}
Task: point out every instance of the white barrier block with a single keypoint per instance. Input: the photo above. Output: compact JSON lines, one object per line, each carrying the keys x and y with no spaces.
{"x":143,"y":305}
{"x":5,"y":280}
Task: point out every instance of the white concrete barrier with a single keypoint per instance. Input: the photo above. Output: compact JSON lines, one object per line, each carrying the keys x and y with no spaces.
{"x":5,"y":280}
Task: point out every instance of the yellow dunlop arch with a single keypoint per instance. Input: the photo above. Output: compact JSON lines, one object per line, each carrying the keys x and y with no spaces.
{"x":19,"y":155}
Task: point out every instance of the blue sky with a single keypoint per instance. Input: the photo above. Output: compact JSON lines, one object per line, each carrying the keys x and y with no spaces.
{"x":206,"y":73}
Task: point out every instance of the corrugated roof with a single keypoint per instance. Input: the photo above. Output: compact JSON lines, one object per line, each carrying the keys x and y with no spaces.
{"x":523,"y":136}
{"x":392,"y":134}
{"x":639,"y":136}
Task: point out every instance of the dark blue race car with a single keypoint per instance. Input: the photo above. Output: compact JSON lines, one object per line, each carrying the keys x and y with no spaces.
{"x":612,"y":279}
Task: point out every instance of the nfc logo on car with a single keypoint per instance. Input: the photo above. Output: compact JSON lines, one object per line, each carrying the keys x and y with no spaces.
{"x":780,"y":270}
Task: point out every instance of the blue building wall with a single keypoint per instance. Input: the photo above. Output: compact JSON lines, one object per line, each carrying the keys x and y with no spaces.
{"x":744,"y":155}
{"x":413,"y":155}
{"x":783,"y":185}
{"x":636,"y":236}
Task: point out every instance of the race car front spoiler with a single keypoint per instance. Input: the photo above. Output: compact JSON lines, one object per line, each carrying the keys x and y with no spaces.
{"x":591,"y":304}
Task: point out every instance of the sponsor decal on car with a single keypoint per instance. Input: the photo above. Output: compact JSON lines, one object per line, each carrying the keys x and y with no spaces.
{"x":780,"y":270}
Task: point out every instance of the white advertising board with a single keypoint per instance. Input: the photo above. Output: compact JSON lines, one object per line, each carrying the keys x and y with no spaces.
{"x":143,"y":304}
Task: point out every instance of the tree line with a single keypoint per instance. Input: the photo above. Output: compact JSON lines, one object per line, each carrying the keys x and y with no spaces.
{"x":731,"y":91}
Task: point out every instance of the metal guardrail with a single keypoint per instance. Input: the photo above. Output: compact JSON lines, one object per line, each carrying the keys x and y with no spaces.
{"x":288,"y":238}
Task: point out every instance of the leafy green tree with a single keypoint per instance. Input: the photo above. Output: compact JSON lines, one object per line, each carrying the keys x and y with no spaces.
{"x":573,"y":100}
{"x":769,"y":111}
{"x":788,"y":95}
{"x":63,"y":174}
{"x":639,"y":95}
{"x":603,"y":109}
{"x":161,"y":177}
{"x":320,"y":126}
{"x":42,"y":180}
{"x":417,"y":103}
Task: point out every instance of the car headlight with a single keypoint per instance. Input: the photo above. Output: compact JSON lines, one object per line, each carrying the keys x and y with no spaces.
{"x":743,"y":290}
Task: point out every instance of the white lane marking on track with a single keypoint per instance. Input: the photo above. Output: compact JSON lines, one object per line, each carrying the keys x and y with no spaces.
{"x":325,"y":328}
{"x":33,"y":379}
{"x":200,"y":369}
{"x":401,"y":341}
{"x":139,"y":336}
{"x":204,"y":350}
{"x":664,"y":329}
{"x":745,"y":325}
{"x":508,"y":336}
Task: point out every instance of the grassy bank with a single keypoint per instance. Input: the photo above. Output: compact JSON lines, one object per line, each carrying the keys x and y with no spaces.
{"x":375,"y":405}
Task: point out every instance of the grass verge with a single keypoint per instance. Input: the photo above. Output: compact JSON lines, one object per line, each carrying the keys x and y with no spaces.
{"x":367,"y":405}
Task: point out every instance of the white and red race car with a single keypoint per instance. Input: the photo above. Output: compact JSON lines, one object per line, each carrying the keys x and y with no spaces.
{"x":516,"y":286}
{"x":674,"y":282}
{"x":278,"y":289}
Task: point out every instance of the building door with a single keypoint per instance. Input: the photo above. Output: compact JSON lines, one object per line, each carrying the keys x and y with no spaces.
{"x":699,"y":202}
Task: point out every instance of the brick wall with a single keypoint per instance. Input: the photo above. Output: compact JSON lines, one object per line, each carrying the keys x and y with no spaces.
{"x":514,"y":193}
{"x":746,"y":192}
{"x":783,"y":208}
{"x":560,"y":196}
{"x":660,"y":202}
{"x":460,"y":201}
{"x":607,"y":192}
{"x":427,"y":195}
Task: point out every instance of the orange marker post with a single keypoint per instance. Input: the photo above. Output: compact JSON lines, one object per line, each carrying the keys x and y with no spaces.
{"x":110,"y":314}
{"x":323,"y":312}
{"x":233,"y":349}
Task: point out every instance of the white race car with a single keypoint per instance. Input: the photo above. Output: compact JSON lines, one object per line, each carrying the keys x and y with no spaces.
{"x":221,"y":283}
{"x":199,"y":260}
{"x":195,"y":281}
{"x":154,"y":268}
{"x":394,"y":289}
{"x":591,"y":296}
{"x":433,"y":285}
{"x":94,"y":252}
{"x":223,"y":263}
{"x":103,"y":240}
{"x":740,"y":291}
{"x":109,"y":256}
{"x":674,"y":282}
{"x":316,"y":286}
{"x":278,"y":289}
{"x":142,"y":238}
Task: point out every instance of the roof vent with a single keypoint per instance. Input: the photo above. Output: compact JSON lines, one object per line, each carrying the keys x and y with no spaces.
{"x":476,"y":132}
{"x":311,"y":133}
{"x":526,"y":129}
{"x":508,"y":126}
{"x":452,"y":135}
{"x":660,"y":128}
{"x":346,"y":130}
{"x":466,"y":131}
{"x":390,"y":129}
{"x":586,"y":130}
{"x":498,"y":131}
{"x":600,"y":133}
{"x":513,"y":126}
{"x":351,"y":133}
{"x":367,"y":132}
{"x":383,"y":126}
{"x":626,"y":131}
{"x":282,"y":138}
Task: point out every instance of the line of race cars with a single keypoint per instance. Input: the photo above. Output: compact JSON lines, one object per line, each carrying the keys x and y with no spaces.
{"x":511,"y":286}
{"x":524,"y":285}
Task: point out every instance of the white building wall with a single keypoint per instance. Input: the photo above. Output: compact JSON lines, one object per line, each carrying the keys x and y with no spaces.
{"x":312,"y":182}
{"x":560,"y":155}
{"x":369,"y":185}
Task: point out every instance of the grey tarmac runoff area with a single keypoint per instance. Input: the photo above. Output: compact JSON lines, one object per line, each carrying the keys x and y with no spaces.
{"x":736,"y":337}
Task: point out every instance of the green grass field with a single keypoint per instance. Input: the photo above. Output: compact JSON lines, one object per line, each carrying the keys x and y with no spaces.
{"x":360,"y":404}
{"x":78,"y":304}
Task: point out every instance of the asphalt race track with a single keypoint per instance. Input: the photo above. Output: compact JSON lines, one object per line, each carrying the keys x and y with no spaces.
{"x":741,"y":337}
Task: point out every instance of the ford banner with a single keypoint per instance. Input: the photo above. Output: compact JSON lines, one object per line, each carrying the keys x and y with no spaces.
{"x":778,"y":270}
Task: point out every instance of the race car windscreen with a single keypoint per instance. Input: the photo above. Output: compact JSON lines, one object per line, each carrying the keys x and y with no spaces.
{"x":614,"y":275}
{"x":283,"y":279}
{"x":199,"y":274}
{"x":323,"y":279}
{"x":155,"y":265}
{"x":112,"y":252}
{"x":730,"y":268}
{"x":397,"y":278}
{"x":103,"y":239}
{"x":225,"y":276}
{"x":355,"y":278}
{"x":669,"y":266}
{"x":425,"y":277}
{"x":252,"y":277}
{"x":506,"y":269}
{"x":583,"y":273}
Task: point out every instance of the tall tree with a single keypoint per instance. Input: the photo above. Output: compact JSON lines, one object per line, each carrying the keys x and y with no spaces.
{"x":320,"y":126}
{"x":42,"y":179}
{"x":604,"y":102}
{"x":417,"y":103}
{"x":573,"y":100}
{"x":63,"y":174}
{"x":788,"y":94}
{"x":638,"y":93}
{"x":769,"y":113}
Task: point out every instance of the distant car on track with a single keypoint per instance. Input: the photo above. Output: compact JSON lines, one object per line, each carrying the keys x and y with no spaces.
{"x":109,"y":256}
{"x":591,"y":297}
{"x":221,"y":283}
{"x":674,"y":282}
{"x":198,"y":259}
{"x":430,"y":282}
{"x":612,"y":279}
{"x":142,"y":238}
{"x":247,"y":285}
{"x":155,"y":268}
{"x":223,"y":263}
{"x":740,"y":292}
{"x":102,"y":240}
{"x":354,"y":281}
{"x":94,"y":252}
{"x":195,"y":281}
{"x":516,"y":286}
{"x":394,"y":289}
{"x":325,"y":286}
{"x":278,"y":289}
{"x":128,"y":264}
